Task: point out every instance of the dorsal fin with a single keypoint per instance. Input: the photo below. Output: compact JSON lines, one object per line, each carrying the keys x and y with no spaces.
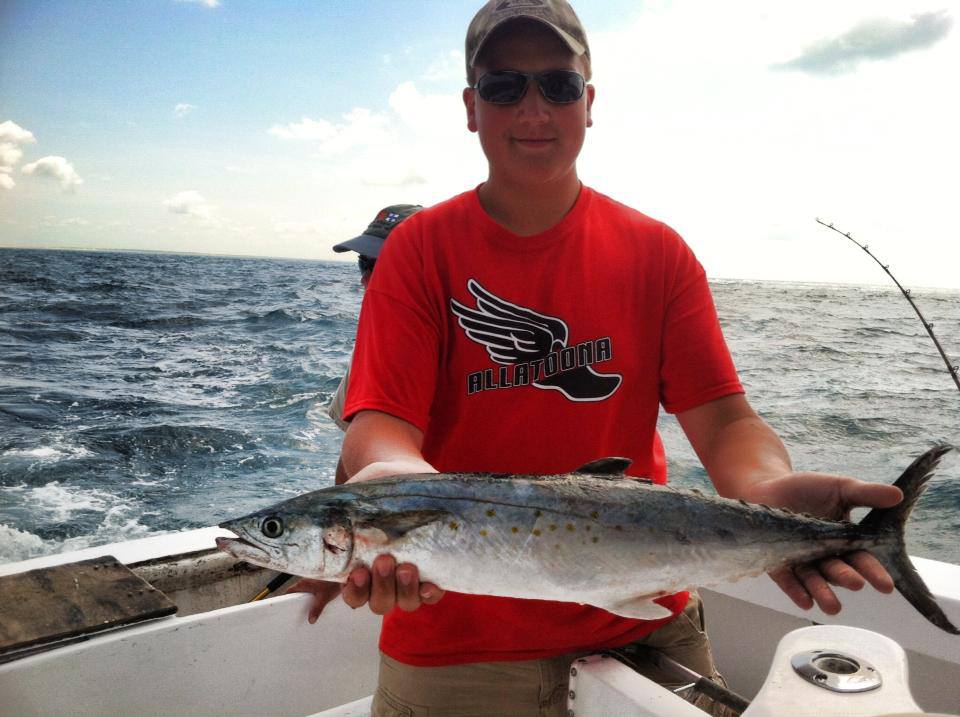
{"x":605,"y":466}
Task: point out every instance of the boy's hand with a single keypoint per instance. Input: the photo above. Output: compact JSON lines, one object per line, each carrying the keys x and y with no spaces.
{"x":323,"y":592}
{"x":388,"y":585}
{"x":833,"y":497}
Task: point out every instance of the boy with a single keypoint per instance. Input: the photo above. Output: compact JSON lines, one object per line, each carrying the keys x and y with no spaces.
{"x":546,"y":326}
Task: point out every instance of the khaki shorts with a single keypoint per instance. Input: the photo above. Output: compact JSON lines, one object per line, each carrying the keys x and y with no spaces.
{"x":532,"y":688}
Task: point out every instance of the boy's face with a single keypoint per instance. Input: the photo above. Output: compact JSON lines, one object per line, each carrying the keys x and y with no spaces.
{"x":534,"y":141}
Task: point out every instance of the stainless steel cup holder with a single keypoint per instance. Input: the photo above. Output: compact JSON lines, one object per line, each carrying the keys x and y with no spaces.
{"x":836,"y":671}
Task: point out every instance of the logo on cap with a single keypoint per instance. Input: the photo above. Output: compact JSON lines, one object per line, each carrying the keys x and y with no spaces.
{"x":387,"y":216}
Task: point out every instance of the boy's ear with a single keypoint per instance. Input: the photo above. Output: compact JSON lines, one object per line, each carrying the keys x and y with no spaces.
{"x":590,"y":93}
{"x":470,"y":102}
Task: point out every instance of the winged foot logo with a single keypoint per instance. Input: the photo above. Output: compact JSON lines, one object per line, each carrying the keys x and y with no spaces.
{"x":532,"y":350}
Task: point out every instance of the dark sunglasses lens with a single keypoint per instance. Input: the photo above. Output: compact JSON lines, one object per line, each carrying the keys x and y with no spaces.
{"x":502,"y":88}
{"x":366,"y":263}
{"x":561,"y":86}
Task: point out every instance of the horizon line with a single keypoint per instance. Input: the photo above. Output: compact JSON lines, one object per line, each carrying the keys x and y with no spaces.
{"x":104,"y":250}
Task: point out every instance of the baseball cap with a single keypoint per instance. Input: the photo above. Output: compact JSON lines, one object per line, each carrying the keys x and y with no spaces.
{"x":371,"y":241}
{"x":555,"y":14}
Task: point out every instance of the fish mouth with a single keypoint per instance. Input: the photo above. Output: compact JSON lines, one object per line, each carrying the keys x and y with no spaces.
{"x":242,"y":550}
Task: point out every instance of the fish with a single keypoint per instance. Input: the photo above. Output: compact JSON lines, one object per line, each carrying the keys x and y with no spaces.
{"x":595,"y":536}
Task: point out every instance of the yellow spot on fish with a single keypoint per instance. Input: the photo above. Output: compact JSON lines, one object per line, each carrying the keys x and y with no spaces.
{"x":594,"y":515}
{"x":491,"y":513}
{"x":596,"y":539}
{"x":514,"y":529}
{"x":570,"y":527}
{"x":483,"y":533}
{"x":553,"y":527}
{"x":454,"y":525}
{"x":536,"y":532}
{"x":538,"y":513}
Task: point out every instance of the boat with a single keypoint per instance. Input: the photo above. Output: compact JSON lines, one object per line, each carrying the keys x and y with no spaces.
{"x":189,"y":641}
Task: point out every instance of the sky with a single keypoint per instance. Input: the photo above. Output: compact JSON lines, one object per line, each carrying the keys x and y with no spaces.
{"x":271,"y":128}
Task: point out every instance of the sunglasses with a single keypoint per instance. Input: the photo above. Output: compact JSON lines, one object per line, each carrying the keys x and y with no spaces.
{"x":366,"y":263}
{"x":505,"y":87}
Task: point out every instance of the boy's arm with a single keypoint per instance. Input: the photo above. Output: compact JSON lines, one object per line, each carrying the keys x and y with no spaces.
{"x":377,"y":445}
{"x":745,"y":459}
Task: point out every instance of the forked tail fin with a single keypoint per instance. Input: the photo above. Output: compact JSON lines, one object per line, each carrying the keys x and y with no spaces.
{"x":892,"y":551}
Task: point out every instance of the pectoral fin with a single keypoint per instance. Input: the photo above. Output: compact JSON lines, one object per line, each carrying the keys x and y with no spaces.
{"x":612,"y":466}
{"x":642,"y":607}
{"x":396,"y":525}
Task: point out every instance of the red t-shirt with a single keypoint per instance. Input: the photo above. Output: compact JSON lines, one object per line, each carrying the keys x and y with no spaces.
{"x":533,"y":355}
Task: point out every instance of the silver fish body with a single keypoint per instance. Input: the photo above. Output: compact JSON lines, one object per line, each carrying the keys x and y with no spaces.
{"x":600,"y":539}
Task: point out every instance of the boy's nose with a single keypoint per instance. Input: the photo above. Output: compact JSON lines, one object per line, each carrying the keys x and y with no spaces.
{"x":533,"y":103}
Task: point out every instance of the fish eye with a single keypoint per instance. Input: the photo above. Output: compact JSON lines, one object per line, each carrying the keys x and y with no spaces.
{"x":272,"y":526}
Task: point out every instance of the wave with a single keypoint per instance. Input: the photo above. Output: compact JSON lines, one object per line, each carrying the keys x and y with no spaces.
{"x":57,"y":502}
{"x":46,"y":454}
{"x":30,"y":413}
{"x":44,"y":333}
{"x":18,"y":545}
{"x":107,"y":287}
{"x":175,"y":441}
{"x":116,"y":527}
{"x":82,"y":310}
{"x":276,"y":317}
{"x":163,"y":322}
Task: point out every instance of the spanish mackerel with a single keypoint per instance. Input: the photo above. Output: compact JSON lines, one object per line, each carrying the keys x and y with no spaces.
{"x":595,"y":536}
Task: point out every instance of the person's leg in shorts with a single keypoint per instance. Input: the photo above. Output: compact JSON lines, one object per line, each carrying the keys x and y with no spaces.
{"x":529,"y":688}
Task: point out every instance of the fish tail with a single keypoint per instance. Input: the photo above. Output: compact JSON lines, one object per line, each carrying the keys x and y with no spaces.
{"x":890,"y":524}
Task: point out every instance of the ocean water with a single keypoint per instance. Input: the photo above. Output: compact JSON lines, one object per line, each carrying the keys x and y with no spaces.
{"x":143,"y":393}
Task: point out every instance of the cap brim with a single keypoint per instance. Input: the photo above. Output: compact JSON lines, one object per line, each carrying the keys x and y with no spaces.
{"x":365,"y":244}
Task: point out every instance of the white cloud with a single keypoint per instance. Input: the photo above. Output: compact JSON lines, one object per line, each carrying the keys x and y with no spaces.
{"x":386,"y":176}
{"x":182,"y":109}
{"x":433,"y":155}
{"x":55,"y":168}
{"x":192,"y":204}
{"x":872,"y":39}
{"x":428,"y":114}
{"x":10,"y":155}
{"x":305,"y":129}
{"x":12,"y":136}
{"x":298,"y":228}
{"x":418,"y":144}
{"x":54,"y":222}
{"x":450,"y":66}
{"x":11,"y":132}
{"x":360,"y":128}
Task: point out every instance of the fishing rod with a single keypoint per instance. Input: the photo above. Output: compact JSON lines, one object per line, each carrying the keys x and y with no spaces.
{"x":271,"y":587}
{"x":952,"y":368}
